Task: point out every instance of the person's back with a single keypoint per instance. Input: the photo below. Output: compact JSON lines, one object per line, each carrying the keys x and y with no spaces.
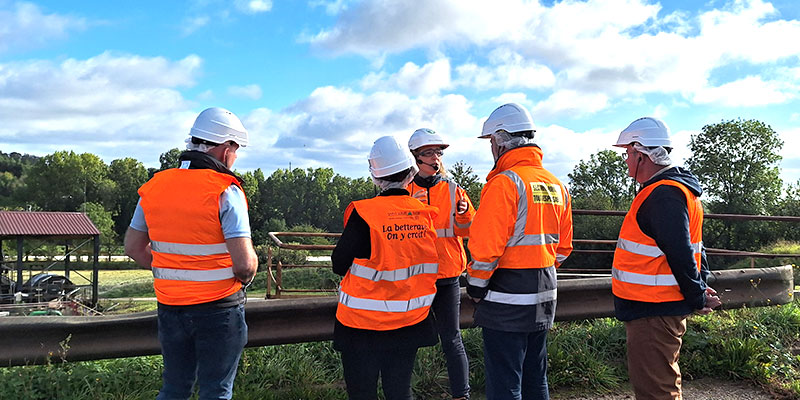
{"x":191,"y":228}
{"x":521,"y":233}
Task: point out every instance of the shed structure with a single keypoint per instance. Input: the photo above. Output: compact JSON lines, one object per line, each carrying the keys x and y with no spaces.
{"x":59,"y":227}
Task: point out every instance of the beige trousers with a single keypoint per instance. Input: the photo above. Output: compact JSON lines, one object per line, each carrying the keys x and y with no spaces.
{"x":654,"y":344}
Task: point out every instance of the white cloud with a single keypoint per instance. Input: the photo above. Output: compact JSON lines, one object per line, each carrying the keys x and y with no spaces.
{"x":119,"y":105}
{"x":191,"y":25}
{"x":25,"y":26}
{"x":747,"y":92}
{"x":253,"y":6}
{"x":570,"y":102}
{"x":507,"y":69}
{"x":337,"y":126}
{"x":431,"y":78}
{"x":595,"y":48}
{"x":252,"y":92}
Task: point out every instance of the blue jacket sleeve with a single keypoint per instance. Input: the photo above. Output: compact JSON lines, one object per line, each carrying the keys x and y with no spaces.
{"x":664,"y":216}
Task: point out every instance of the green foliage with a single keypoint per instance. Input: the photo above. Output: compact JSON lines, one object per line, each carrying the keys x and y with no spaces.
{"x":748,"y":344}
{"x":102,"y":221}
{"x":468,"y":180}
{"x":62,"y":181}
{"x":601,"y":183}
{"x":128,"y":175}
{"x":737,"y":162}
{"x":169,"y":159}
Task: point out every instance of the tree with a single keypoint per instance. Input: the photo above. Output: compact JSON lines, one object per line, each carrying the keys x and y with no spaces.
{"x":602,"y":183}
{"x":169,"y":159}
{"x":737,"y":164}
{"x":128,"y":175}
{"x":62,"y":181}
{"x":103,"y":222}
{"x":468,"y":180}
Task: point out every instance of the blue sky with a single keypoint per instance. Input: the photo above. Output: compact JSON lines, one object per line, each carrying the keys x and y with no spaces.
{"x":317,"y":81}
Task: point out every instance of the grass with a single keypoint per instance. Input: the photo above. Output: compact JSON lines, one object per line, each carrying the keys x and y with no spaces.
{"x":756,"y":345}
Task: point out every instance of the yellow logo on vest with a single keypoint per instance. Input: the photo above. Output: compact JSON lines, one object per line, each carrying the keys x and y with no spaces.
{"x":546,"y":193}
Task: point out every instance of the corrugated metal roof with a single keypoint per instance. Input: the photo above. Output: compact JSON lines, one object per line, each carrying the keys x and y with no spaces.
{"x":46,"y":223}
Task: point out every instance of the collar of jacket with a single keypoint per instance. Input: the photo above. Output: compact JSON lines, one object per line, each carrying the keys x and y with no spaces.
{"x":428,"y":181}
{"x":200,"y":160}
{"x":528,"y":155}
{"x":394,"y":192}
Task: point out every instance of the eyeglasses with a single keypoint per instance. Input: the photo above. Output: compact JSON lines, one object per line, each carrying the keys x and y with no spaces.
{"x":431,"y":152}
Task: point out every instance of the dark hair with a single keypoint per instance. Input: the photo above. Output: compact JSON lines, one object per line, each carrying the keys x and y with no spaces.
{"x":397,"y":176}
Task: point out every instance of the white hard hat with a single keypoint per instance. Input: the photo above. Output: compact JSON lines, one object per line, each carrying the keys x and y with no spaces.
{"x":648,"y":131}
{"x":425,"y":137}
{"x":218,"y":125}
{"x":510,"y":117}
{"x":387,"y":157}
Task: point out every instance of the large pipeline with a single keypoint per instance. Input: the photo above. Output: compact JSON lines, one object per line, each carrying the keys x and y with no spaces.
{"x":37,"y":340}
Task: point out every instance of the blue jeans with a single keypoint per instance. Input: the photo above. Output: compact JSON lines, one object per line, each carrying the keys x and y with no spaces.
{"x":200,"y":344}
{"x":445,"y":307}
{"x":516,"y":365}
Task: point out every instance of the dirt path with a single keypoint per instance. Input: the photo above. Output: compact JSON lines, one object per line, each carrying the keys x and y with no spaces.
{"x":701,"y":389}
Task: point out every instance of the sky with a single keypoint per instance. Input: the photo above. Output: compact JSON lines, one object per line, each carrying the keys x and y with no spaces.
{"x":315,"y":82}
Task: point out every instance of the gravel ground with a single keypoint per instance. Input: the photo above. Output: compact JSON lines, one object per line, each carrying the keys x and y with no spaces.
{"x":701,"y":389}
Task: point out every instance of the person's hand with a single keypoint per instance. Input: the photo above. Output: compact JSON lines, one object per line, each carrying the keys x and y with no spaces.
{"x":461,"y":206}
{"x":420,"y":195}
{"x":712,"y":301}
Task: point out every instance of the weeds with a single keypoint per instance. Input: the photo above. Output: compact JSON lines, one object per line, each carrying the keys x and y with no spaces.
{"x":757,"y":345}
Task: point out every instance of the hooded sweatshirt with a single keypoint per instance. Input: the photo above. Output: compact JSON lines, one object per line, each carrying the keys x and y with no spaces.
{"x":664,"y":216}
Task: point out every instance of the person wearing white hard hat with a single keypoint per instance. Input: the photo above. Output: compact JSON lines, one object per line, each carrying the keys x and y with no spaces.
{"x":521,"y":233}
{"x":387,"y":255}
{"x":192,"y":229}
{"x":432,"y":186}
{"x":659,"y":270}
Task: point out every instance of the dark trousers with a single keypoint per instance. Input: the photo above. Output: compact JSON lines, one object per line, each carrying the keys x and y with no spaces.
{"x":445,"y":308}
{"x":362,"y":367}
{"x":516,"y":365}
{"x":203,"y":345}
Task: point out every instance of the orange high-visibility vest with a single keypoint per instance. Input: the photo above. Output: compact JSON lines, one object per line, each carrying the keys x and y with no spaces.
{"x":450,"y":226}
{"x":396,"y":285}
{"x":191,"y":263}
{"x":539,"y":229}
{"x":640,"y":271}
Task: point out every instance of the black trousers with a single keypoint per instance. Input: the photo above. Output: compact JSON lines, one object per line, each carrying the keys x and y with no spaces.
{"x":362,"y":367}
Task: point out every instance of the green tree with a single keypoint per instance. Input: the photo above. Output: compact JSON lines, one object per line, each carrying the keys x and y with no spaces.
{"x":101,"y":218}
{"x":467,"y":179}
{"x":169,"y":159}
{"x":62,"y":181}
{"x":737,"y":164}
{"x":602,"y":183}
{"x":128,"y":175}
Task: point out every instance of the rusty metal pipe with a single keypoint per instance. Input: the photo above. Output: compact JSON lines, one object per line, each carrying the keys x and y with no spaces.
{"x":34,"y":340}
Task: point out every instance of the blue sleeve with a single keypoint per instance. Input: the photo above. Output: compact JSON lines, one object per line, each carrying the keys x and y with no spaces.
{"x":233,"y":213}
{"x":664,"y":216}
{"x":138,"y":222}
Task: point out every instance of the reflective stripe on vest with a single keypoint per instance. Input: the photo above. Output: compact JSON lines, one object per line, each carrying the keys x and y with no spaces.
{"x":477,"y":281}
{"x":485,"y":266}
{"x":450,"y":230}
{"x":644,"y":279}
{"x":386,"y":305}
{"x":647,"y":250}
{"x":519,"y":238}
{"x":194,"y":275}
{"x":394,"y":275}
{"x":189,"y":249}
{"x":521,"y":299}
